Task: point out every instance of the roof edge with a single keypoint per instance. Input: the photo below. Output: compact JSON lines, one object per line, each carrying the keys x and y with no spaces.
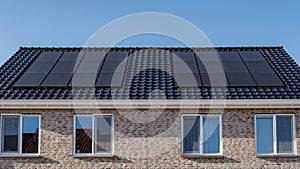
{"x":152,"y":104}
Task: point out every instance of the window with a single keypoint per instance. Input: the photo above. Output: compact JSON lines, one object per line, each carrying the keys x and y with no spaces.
{"x":275,"y":134}
{"x":201,"y":135}
{"x":93,"y":135}
{"x":20,"y":135}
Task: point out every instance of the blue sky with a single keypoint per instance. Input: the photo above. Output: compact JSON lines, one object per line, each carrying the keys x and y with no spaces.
{"x":226,"y":23}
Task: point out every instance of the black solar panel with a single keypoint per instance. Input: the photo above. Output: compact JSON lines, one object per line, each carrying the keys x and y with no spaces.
{"x":207,"y":56}
{"x":30,"y":79}
{"x":259,"y":67}
{"x":267,"y":79}
{"x":188,"y":79}
{"x":109,"y":79}
{"x":94,"y":56}
{"x":189,"y":70}
{"x":72,"y":56}
{"x":83,"y":80}
{"x":116,"y":56}
{"x":89,"y":66}
{"x":240,"y":79}
{"x":40,"y":66}
{"x":185,"y":67}
{"x":184,"y":56}
{"x":49,"y":56}
{"x":251,"y":56}
{"x":210,"y":66}
{"x":57,"y":79}
{"x":111,"y":67}
{"x":214,"y":80}
{"x":229,"y":56}
{"x":65,"y":67}
{"x":234,"y":66}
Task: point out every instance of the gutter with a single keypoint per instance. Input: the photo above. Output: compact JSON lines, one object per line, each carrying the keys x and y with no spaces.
{"x":153,"y":104}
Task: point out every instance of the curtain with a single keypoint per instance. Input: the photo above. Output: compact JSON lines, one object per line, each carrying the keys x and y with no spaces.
{"x":211,"y":135}
{"x":191,"y":134}
{"x":284,"y":134}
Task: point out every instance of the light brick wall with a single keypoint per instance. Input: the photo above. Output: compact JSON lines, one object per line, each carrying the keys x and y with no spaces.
{"x":150,"y":140}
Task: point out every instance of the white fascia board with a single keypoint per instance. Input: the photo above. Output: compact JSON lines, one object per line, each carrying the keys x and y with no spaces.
{"x":153,"y":104}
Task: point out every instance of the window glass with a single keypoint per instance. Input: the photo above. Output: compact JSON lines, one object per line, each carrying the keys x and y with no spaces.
{"x":264,"y":135}
{"x":30,"y":134}
{"x":84,"y":134}
{"x":211,"y":135}
{"x":103,"y":134}
{"x":284,"y":134}
{"x":10,"y":134}
{"x":191,"y":134}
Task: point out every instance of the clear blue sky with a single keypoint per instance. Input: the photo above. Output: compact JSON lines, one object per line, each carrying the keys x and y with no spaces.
{"x":226,"y":23}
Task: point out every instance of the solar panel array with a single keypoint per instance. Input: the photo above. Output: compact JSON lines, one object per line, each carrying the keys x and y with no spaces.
{"x":190,"y":69}
{"x":226,"y":68}
{"x":79,"y":69}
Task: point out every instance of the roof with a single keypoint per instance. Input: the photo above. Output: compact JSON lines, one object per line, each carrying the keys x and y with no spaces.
{"x":143,"y":83}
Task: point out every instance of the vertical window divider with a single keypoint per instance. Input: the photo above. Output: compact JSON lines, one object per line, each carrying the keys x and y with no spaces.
{"x":20,"y":133}
{"x":221,"y":138}
{"x":93,"y":134}
{"x":294,"y":135}
{"x":201,"y":134}
{"x":1,"y":134}
{"x":274,"y":134}
{"x":112,"y":133}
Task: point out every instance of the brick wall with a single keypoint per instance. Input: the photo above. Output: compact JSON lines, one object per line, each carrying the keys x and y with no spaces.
{"x":149,"y":139}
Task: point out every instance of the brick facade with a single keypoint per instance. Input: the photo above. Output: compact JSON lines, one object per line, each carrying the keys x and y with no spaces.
{"x":150,"y":140}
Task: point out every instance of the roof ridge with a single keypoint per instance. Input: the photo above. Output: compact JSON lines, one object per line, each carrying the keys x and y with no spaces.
{"x":155,"y":47}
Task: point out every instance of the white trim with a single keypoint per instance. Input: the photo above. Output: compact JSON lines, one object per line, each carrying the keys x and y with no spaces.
{"x":154,"y":104}
{"x":273,"y":116}
{"x":93,"y":154}
{"x":201,"y":154}
{"x":20,"y":135}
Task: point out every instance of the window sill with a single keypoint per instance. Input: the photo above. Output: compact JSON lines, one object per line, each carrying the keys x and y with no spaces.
{"x":275,"y":155}
{"x":93,"y":155}
{"x":19,"y":155}
{"x":202,"y":155}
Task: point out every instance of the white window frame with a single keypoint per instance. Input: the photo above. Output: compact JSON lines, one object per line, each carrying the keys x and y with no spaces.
{"x":273,"y":116}
{"x":93,"y":154}
{"x":20,"y":137}
{"x":220,"y":154}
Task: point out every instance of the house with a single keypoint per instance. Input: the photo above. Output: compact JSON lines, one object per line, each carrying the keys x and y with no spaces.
{"x":225,"y":107}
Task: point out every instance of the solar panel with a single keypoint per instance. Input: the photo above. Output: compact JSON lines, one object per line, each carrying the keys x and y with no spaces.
{"x":72,"y":56}
{"x":49,"y":56}
{"x":234,"y":66}
{"x":111,"y":67}
{"x":214,"y":80}
{"x":229,"y":56}
{"x":89,"y":67}
{"x":57,"y":79}
{"x":210,"y":66}
{"x":259,"y":67}
{"x":184,"y":56}
{"x":65,"y":67}
{"x":30,"y":79}
{"x":40,"y":66}
{"x":251,"y":56}
{"x":116,"y":56}
{"x":188,"y":79}
{"x":240,"y":79}
{"x":83,"y":80}
{"x":109,"y":80}
{"x":185,"y":67}
{"x":94,"y":56}
{"x":207,"y":56}
{"x":267,"y":79}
